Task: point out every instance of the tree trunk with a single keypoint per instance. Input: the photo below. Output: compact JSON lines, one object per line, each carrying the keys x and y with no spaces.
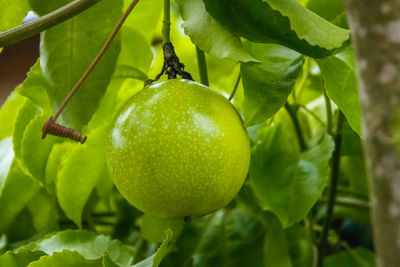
{"x":375,"y":26}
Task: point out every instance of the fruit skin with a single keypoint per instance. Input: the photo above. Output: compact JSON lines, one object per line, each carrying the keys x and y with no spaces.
{"x":177,"y":149}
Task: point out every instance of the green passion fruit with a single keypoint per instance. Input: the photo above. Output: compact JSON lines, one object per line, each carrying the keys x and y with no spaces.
{"x":178,"y":149}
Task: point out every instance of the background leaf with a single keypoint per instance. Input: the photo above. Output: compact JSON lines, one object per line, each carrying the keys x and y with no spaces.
{"x":12,"y":13}
{"x":65,"y":258}
{"x":288,"y":183}
{"x":282,"y":22}
{"x":208,"y":34}
{"x":155,"y":259}
{"x":153,"y":228}
{"x":359,"y":257}
{"x":8,"y":114}
{"x":339,"y":74}
{"x":17,"y":190}
{"x":231,"y":238}
{"x":276,"y":247}
{"x":267,"y":85}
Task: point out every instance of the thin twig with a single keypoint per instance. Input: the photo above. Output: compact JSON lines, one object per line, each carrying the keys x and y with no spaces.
{"x":202,"y":64}
{"x":332,"y":189}
{"x":328,"y":107}
{"x":292,"y":113}
{"x":42,"y":23}
{"x":96,"y":60}
{"x":235,"y":87}
{"x":304,"y":76}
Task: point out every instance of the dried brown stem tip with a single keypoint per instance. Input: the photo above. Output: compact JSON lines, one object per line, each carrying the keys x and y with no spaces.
{"x":50,"y":127}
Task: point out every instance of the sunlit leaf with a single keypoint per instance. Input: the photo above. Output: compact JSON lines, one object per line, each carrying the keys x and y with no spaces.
{"x":8,"y":114}
{"x":284,"y":22}
{"x":26,"y":113}
{"x":208,"y":34}
{"x":80,"y":172}
{"x":88,"y":244}
{"x":12,"y":13}
{"x":34,"y":149}
{"x":35,"y":88}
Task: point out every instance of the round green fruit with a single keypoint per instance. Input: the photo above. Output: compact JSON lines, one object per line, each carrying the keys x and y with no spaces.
{"x":178,"y":149}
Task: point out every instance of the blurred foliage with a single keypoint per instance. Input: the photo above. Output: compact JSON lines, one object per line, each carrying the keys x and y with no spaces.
{"x":58,"y":205}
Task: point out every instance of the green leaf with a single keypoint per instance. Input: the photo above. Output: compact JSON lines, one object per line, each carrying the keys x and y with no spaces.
{"x":20,"y":257}
{"x":8,"y":114}
{"x":89,"y":245}
{"x":35,"y":150}
{"x":339,"y":74}
{"x":26,"y":113}
{"x":309,"y":26}
{"x":268,"y":84}
{"x":153,"y":228}
{"x":58,"y":154}
{"x":284,"y":22}
{"x":65,"y":258}
{"x":286,"y":182}
{"x":276,"y":248}
{"x":208,"y":34}
{"x":43,"y":210}
{"x":6,"y":159}
{"x":35,"y":88}
{"x":17,"y":190}
{"x":80,"y":172}
{"x":231,"y":238}
{"x":67,"y":50}
{"x":12,"y":13}
{"x":162,"y":251}
{"x":359,"y":257}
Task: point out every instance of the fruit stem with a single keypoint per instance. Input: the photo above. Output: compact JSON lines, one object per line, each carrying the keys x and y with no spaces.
{"x":166,"y":22}
{"x":332,"y":189}
{"x":235,"y":87}
{"x":202,"y":64}
{"x":42,"y":23}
